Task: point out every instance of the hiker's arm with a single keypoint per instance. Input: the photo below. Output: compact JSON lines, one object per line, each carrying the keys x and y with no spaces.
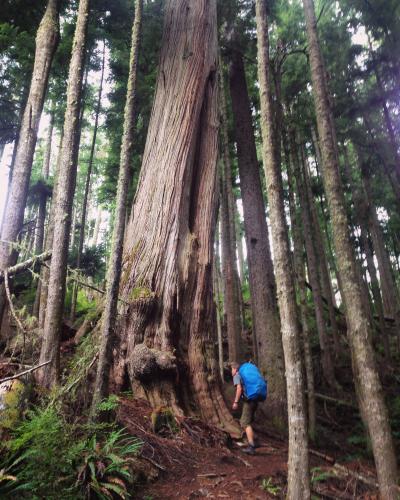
{"x":239,"y":391}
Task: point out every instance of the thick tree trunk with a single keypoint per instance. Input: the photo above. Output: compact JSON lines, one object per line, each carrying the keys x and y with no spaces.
{"x":46,"y":42}
{"x":114,"y":268}
{"x":313,"y":268}
{"x":228,"y":236}
{"x":369,"y":388}
{"x":265,"y":315}
{"x":50,"y":349}
{"x":87,"y":188}
{"x":298,"y":473}
{"x":167,"y":276}
{"x":298,"y":258}
{"x":217,"y":295}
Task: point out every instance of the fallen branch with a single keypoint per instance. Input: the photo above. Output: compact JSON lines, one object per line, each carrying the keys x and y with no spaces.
{"x":153,"y":462}
{"x":23,"y":266}
{"x":340,"y":402}
{"x":25,"y":372}
{"x":341,"y":469}
{"x":10,"y":302}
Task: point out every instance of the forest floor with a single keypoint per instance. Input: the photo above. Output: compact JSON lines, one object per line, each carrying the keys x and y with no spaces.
{"x":193,"y":460}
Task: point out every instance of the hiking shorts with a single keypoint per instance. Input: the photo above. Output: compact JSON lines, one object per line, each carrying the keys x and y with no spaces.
{"x":248,"y":412}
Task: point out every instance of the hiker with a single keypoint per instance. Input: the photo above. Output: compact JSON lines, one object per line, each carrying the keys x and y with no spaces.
{"x":251,"y":388}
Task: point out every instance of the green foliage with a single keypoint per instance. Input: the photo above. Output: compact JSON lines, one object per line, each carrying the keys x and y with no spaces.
{"x":318,"y":475}
{"x":109,"y":404}
{"x":105,"y":471}
{"x":50,"y":458}
{"x":268,"y":486}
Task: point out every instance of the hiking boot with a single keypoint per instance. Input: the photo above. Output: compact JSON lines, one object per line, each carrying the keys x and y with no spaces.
{"x":250,"y":450}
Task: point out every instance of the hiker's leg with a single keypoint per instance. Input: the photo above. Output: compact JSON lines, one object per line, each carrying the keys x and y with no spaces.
{"x":250,"y":435}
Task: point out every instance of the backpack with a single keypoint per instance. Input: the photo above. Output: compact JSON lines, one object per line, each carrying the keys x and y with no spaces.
{"x":254,"y":385}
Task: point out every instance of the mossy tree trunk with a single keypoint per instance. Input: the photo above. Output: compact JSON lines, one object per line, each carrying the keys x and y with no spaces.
{"x":46,"y":42}
{"x":50,"y":350}
{"x":114,"y":267}
{"x":298,"y":471}
{"x":369,"y":389}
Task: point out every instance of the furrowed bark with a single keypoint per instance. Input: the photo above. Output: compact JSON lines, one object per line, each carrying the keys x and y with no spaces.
{"x":265,"y":315}
{"x":167,"y":276}
{"x":369,"y":388}
{"x":114,"y":267}
{"x":298,"y":473}
{"x":48,"y":375}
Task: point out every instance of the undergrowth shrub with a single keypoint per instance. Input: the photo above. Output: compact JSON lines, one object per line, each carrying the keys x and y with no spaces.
{"x":48,"y":457}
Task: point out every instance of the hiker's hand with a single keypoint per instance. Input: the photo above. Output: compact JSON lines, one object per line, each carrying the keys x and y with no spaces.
{"x":235,"y":406}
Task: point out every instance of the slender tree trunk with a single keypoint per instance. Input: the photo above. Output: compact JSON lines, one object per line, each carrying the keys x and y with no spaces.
{"x":114,"y":268}
{"x":239,"y":243}
{"x":362,"y":217}
{"x":96,"y":230}
{"x":312,"y":266}
{"x":50,"y":350}
{"x":297,"y":235}
{"x":298,"y":473}
{"x":326,"y":284}
{"x":217,"y":295}
{"x":229,"y":267}
{"x":169,"y":244}
{"x":42,"y":290}
{"x":265,"y":315}
{"x":87,"y":188}
{"x":369,"y":388}
{"x":41,"y":219}
{"x":390,"y":292}
{"x":46,"y":42}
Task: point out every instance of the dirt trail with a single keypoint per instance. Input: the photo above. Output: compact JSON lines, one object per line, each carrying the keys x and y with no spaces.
{"x":192,"y":462}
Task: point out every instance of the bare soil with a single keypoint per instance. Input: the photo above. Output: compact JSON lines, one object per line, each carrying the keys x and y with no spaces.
{"x":189,"y":459}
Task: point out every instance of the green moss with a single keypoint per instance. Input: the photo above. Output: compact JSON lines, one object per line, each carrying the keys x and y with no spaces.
{"x":11,"y":402}
{"x":141,"y":292}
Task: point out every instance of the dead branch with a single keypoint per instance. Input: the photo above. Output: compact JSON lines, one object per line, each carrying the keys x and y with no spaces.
{"x":24,"y":372}
{"x":23,"y":266}
{"x":10,"y":302}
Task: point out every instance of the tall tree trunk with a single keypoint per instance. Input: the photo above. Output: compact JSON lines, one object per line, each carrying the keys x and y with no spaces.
{"x":41,"y":219}
{"x":313,"y":268}
{"x":167,"y":276}
{"x":87,"y":188}
{"x":96,"y":229}
{"x":217,"y":295}
{"x":41,"y":291}
{"x":50,"y":350}
{"x":298,"y":258}
{"x":369,"y":391}
{"x":390,"y":292}
{"x":115,"y":263}
{"x":46,"y":42}
{"x":265,"y":315}
{"x":229,"y":266}
{"x":298,"y":473}
{"x":326,"y":284}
